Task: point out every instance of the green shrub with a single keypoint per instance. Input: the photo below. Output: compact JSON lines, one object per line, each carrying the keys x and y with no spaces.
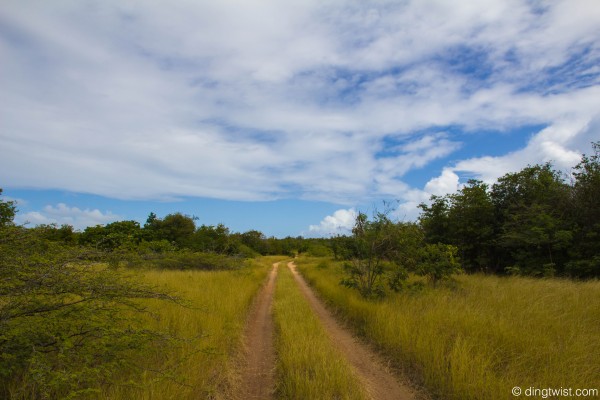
{"x":65,"y":325}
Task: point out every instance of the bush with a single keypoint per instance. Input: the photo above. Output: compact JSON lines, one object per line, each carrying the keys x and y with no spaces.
{"x":438,"y":262}
{"x":65,"y":325}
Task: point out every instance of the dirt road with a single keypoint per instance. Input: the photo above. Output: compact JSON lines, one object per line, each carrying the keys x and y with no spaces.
{"x":258,"y":376}
{"x":380,"y":384}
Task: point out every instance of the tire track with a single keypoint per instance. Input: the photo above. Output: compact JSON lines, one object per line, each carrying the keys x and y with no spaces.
{"x":258,"y":375}
{"x":379,"y":383}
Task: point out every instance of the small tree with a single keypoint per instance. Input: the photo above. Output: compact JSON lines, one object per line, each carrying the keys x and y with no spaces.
{"x":373,"y":251}
{"x":438,"y":262}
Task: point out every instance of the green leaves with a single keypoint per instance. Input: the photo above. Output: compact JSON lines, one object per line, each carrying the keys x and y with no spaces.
{"x":7,"y":211}
{"x":531,"y":222}
{"x":438,"y":262}
{"x":65,"y":325}
{"x":382,"y":253}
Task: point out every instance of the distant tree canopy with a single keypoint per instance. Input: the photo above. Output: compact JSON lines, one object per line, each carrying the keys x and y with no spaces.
{"x":531,"y":222}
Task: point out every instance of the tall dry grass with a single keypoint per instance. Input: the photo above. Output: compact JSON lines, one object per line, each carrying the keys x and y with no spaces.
{"x":482,"y":336}
{"x":203,"y":364}
{"x":308,"y":367}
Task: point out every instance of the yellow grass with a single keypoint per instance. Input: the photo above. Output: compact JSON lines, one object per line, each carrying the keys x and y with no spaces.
{"x":308,"y":366}
{"x":202,"y":367}
{"x":484,"y":335}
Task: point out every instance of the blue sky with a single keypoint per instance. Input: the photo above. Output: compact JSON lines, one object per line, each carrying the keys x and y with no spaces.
{"x":286,"y":117}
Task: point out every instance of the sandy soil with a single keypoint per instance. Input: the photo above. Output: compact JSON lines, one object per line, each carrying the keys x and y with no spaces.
{"x":376,"y":378}
{"x":258,"y":375}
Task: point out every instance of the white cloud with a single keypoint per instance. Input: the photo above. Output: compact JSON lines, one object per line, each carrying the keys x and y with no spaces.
{"x":17,"y":201}
{"x":550,"y":145}
{"x":446,"y":183}
{"x":340,"y":223}
{"x":263,"y":100}
{"x":63,"y":214}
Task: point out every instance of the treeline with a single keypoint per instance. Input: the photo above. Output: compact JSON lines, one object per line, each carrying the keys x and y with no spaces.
{"x":178,"y":233}
{"x":537,"y":222}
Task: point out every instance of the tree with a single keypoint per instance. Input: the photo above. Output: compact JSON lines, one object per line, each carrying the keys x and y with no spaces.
{"x":533,"y":231}
{"x":471,"y":225}
{"x":585,"y":213}
{"x":8,"y":210}
{"x":214,"y":239}
{"x":374,"y":256}
{"x":464,"y":219}
{"x":438,"y":262}
{"x":176,"y":228}
{"x":255,"y":240}
{"x":64,"y":233}
{"x":435,"y":221}
{"x":113,"y":235}
{"x":65,"y":326}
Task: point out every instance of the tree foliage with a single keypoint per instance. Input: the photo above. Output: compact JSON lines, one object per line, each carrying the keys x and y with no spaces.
{"x":531,"y":222}
{"x":372,"y":250}
{"x":8,"y":210}
{"x":464,"y":219}
{"x":382,"y":252}
{"x":65,"y":325}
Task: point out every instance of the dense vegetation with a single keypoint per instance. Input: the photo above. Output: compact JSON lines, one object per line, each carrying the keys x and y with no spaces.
{"x":532,"y":222}
{"x":381,"y":253}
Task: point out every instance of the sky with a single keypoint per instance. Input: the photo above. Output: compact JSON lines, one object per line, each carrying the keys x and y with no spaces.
{"x":287,"y":117}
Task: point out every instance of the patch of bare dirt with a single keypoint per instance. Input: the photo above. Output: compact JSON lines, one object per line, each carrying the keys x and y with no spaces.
{"x":258,"y":375}
{"x":379,"y":382}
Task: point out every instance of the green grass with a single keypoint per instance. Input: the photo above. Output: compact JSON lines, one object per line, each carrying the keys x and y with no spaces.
{"x":308,"y":367}
{"x":483,"y":335}
{"x":204,"y":365}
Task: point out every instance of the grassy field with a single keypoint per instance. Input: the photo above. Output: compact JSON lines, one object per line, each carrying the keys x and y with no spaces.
{"x":483,"y":335}
{"x":204,"y":365}
{"x":308,"y":365}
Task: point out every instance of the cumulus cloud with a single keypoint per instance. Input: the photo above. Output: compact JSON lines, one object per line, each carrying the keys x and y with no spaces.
{"x":63,"y":214}
{"x":447,"y":182}
{"x":257,"y":100}
{"x":340,"y":223}
{"x":552,"y":144}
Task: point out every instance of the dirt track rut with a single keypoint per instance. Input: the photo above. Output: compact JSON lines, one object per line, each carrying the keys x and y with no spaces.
{"x":380,"y":384}
{"x":258,"y":375}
